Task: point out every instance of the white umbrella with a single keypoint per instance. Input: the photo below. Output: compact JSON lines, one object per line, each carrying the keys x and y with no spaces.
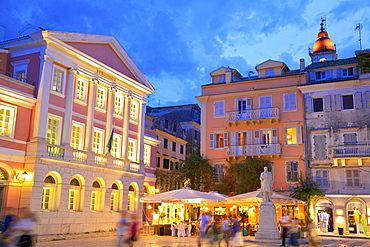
{"x":184,"y":195}
{"x":256,"y":197}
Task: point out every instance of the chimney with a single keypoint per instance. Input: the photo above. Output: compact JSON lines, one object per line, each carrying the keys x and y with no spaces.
{"x":301,"y":64}
{"x":228,"y":75}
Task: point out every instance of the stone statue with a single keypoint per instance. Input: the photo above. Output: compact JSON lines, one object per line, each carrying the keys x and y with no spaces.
{"x":266,"y":185}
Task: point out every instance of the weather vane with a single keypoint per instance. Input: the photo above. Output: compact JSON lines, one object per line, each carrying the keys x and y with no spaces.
{"x":323,"y":24}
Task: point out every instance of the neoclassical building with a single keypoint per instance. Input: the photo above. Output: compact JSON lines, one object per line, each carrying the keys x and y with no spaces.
{"x":72,"y":144}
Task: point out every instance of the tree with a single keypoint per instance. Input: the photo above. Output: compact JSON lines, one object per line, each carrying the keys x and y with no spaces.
{"x":243,"y":177}
{"x":307,"y":190}
{"x":199,"y":171}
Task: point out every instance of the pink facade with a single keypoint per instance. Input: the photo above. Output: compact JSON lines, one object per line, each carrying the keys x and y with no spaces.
{"x":73,"y":120}
{"x":260,"y":116}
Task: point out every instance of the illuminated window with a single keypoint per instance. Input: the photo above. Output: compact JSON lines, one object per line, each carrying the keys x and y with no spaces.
{"x":74,"y":195}
{"x":52,"y":135}
{"x":101,"y":97}
{"x":293,"y":135}
{"x":95,"y":196}
{"x":58,"y":80}
{"x":48,"y":193}
{"x":218,"y":140}
{"x":131,"y":199}
{"x":131,"y":151}
{"x":97,"y":146}
{"x":134,"y":110}
{"x":116,"y":146}
{"x":114,"y":202}
{"x":81,"y":89}
{"x":147,"y":150}
{"x":118,"y":105}
{"x":20,"y":69}
{"x":7,"y":120}
{"x":77,"y":136}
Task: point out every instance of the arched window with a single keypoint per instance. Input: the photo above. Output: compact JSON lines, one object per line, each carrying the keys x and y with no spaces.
{"x":131,"y":199}
{"x":114,"y":198}
{"x":95,"y":197}
{"x":48,"y":193}
{"x":74,"y":195}
{"x":3,"y":175}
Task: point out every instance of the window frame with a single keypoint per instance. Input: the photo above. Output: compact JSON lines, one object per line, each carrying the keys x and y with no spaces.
{"x":81,"y":94}
{"x":59,"y":129}
{"x":63,"y":81}
{"x":12,"y":120}
{"x":81,"y":139}
{"x":116,"y":150}
{"x":219,"y":109}
{"x":290,"y":177}
{"x":321,"y":179}
{"x":314,"y":152}
{"x":218,"y":172}
{"x":20,"y":66}
{"x":147,"y":154}
{"x":298,"y":135}
{"x":288,"y":101}
{"x":99,"y":149}
{"x":101,"y":98}
{"x":353,"y":178}
{"x":131,"y":154}
{"x":134,"y":111}
{"x":118,"y":104}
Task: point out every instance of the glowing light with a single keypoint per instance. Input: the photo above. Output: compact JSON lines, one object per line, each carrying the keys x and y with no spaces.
{"x":149,"y":207}
{"x":339,"y":212}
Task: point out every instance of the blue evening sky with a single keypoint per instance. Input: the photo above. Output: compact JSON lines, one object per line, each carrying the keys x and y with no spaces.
{"x":177,"y":43}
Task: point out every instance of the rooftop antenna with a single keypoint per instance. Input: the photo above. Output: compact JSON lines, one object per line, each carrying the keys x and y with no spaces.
{"x":359,"y":27}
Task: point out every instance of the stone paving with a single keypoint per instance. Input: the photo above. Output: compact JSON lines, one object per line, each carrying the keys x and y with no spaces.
{"x":102,"y":240}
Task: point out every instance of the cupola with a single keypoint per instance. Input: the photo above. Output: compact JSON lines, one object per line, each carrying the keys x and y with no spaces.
{"x":323,"y":48}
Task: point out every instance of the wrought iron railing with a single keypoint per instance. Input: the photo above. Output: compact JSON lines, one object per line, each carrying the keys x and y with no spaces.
{"x":254,"y":149}
{"x":352,"y":150}
{"x":261,"y":113}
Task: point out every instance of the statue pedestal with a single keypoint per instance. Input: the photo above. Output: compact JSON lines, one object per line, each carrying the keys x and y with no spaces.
{"x":267,"y":229}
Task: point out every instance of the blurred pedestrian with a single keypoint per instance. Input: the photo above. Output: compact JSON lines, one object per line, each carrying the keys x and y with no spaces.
{"x":122,"y":227}
{"x":226,"y":229}
{"x":284,"y":223}
{"x":313,"y":240}
{"x":6,"y":234}
{"x":134,"y":230}
{"x":216,"y":232}
{"x":203,"y":225}
{"x":293,"y":231}
{"x":237,"y":235}
{"x":24,"y":230}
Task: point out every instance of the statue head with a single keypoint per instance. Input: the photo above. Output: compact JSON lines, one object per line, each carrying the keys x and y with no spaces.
{"x":265,"y":169}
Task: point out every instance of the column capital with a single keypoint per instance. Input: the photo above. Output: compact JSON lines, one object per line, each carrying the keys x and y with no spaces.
{"x":94,"y":81}
{"x":46,"y":58}
{"x":73,"y":71}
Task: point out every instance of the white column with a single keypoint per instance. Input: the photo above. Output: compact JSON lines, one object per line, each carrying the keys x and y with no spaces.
{"x":126,"y":122}
{"x":110,"y":111}
{"x":140,"y":134}
{"x":67,"y":123}
{"x":42,"y":101}
{"x":90,"y":115}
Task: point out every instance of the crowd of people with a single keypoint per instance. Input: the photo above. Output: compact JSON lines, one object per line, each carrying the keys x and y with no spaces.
{"x":18,"y":230}
{"x":220,"y":228}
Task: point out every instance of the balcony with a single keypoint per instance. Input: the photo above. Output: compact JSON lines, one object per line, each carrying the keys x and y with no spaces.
{"x":352,"y":150}
{"x":255,"y":150}
{"x":63,"y":154}
{"x":252,"y":117}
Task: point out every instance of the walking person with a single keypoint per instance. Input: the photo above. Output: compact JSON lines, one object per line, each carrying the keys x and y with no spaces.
{"x":203,"y":225}
{"x":134,"y":230}
{"x":313,"y":240}
{"x":24,"y":230}
{"x":122,"y":226}
{"x":6,"y":235}
{"x":293,"y":231}
{"x":216,"y":232}
{"x":237,"y":235}
{"x":226,"y":229}
{"x":284,"y":223}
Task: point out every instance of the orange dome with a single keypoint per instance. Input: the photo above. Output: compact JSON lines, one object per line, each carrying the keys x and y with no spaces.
{"x":323,"y":43}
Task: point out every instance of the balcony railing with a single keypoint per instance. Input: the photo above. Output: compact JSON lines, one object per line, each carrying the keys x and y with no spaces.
{"x":262,"y":113}
{"x":352,"y":150}
{"x":254,"y":149}
{"x":55,"y":151}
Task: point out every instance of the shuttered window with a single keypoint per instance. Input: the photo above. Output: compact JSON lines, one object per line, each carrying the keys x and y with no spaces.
{"x":353,"y":178}
{"x":292,"y":171}
{"x":320,"y":151}
{"x":322,"y":178}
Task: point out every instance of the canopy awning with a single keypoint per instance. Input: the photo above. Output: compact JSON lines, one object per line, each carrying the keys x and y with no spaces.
{"x":184,"y":195}
{"x":256,"y":197}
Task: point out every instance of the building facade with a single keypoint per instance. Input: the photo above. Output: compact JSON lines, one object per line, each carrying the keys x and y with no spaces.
{"x":77,"y":131}
{"x":337,"y":104}
{"x":259,"y":116}
{"x":189,"y":119}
